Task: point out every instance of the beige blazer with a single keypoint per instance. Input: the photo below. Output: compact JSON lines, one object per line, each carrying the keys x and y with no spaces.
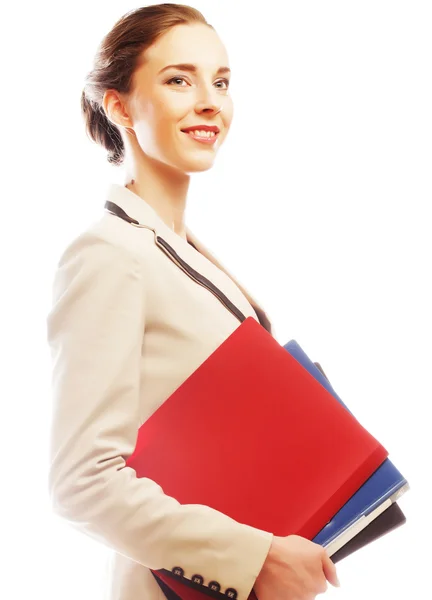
{"x":126,"y":327}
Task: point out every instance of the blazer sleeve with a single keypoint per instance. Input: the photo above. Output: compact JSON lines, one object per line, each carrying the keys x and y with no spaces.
{"x":95,"y":331}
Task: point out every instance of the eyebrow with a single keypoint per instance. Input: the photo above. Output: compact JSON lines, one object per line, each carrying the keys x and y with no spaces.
{"x":193,"y":68}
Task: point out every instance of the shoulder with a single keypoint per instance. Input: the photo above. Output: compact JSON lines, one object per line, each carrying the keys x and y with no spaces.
{"x":112,"y":241}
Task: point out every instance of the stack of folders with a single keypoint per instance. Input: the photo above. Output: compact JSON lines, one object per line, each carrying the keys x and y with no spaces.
{"x":257,"y":433}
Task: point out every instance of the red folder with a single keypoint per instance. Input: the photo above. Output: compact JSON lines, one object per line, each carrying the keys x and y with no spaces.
{"x":252,"y":434}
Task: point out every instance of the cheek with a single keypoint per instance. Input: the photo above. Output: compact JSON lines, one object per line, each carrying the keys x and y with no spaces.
{"x":167,"y":117}
{"x":156,"y":127}
{"x":145,"y":133}
{"x":227,"y":113}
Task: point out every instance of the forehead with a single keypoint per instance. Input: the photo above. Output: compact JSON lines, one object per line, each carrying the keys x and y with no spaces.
{"x":196,"y":43}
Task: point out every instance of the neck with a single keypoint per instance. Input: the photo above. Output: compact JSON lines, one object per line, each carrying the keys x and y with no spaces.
{"x":163,"y":188}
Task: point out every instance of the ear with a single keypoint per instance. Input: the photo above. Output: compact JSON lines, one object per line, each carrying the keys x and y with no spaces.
{"x":115,"y":109}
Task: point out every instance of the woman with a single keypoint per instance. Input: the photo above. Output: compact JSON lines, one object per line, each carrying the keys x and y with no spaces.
{"x":132,"y":318}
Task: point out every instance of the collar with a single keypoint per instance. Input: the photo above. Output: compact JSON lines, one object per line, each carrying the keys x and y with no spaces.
{"x":140,"y":210}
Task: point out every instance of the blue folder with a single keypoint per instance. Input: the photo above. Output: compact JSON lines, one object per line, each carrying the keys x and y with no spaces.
{"x":384,"y":483}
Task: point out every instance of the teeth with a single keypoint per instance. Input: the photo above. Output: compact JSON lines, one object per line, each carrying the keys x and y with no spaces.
{"x":203,"y":133}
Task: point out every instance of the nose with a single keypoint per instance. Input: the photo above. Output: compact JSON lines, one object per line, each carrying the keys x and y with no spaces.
{"x":212,"y":110}
{"x":208,"y":102}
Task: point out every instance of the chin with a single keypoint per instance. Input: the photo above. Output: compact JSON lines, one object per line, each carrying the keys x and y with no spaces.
{"x":196,"y":166}
{"x":200,"y":168}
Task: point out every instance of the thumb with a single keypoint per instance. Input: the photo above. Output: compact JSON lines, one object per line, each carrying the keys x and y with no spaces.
{"x":329,"y":569}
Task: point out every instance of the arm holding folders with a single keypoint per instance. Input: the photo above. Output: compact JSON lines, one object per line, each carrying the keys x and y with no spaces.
{"x":265,"y":577}
{"x":241,"y":474}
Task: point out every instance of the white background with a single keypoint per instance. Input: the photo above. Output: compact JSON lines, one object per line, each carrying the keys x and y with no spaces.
{"x":318,"y":202}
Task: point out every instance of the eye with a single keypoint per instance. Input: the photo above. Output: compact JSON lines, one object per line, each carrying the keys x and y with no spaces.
{"x":226,"y":81}
{"x":176,"y":79}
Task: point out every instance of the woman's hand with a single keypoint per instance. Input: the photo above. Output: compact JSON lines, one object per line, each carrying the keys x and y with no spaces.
{"x":295,"y":569}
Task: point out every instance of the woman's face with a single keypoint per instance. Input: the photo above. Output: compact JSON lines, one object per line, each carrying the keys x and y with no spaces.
{"x":164,"y":100}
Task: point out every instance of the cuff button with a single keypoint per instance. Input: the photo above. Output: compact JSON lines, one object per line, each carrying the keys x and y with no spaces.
{"x":178,"y":571}
{"x":214,"y":586}
{"x":231,"y":593}
{"x":198,"y":579}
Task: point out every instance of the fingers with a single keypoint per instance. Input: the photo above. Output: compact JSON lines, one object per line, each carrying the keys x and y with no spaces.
{"x":329,"y":569}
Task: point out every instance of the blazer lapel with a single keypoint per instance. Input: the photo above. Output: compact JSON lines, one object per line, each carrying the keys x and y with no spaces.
{"x":136,"y":208}
{"x":262,"y":316}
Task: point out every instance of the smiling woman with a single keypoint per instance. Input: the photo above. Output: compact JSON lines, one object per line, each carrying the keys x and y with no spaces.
{"x":158,"y":100}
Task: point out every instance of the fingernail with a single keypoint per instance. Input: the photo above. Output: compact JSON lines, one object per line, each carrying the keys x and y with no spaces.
{"x":337,"y":582}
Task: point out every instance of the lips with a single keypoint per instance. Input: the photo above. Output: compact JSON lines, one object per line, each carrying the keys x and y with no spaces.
{"x":202,"y":138}
{"x":214,"y":128}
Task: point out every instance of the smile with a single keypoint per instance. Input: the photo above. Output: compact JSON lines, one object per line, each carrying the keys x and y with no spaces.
{"x":205,"y":137}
